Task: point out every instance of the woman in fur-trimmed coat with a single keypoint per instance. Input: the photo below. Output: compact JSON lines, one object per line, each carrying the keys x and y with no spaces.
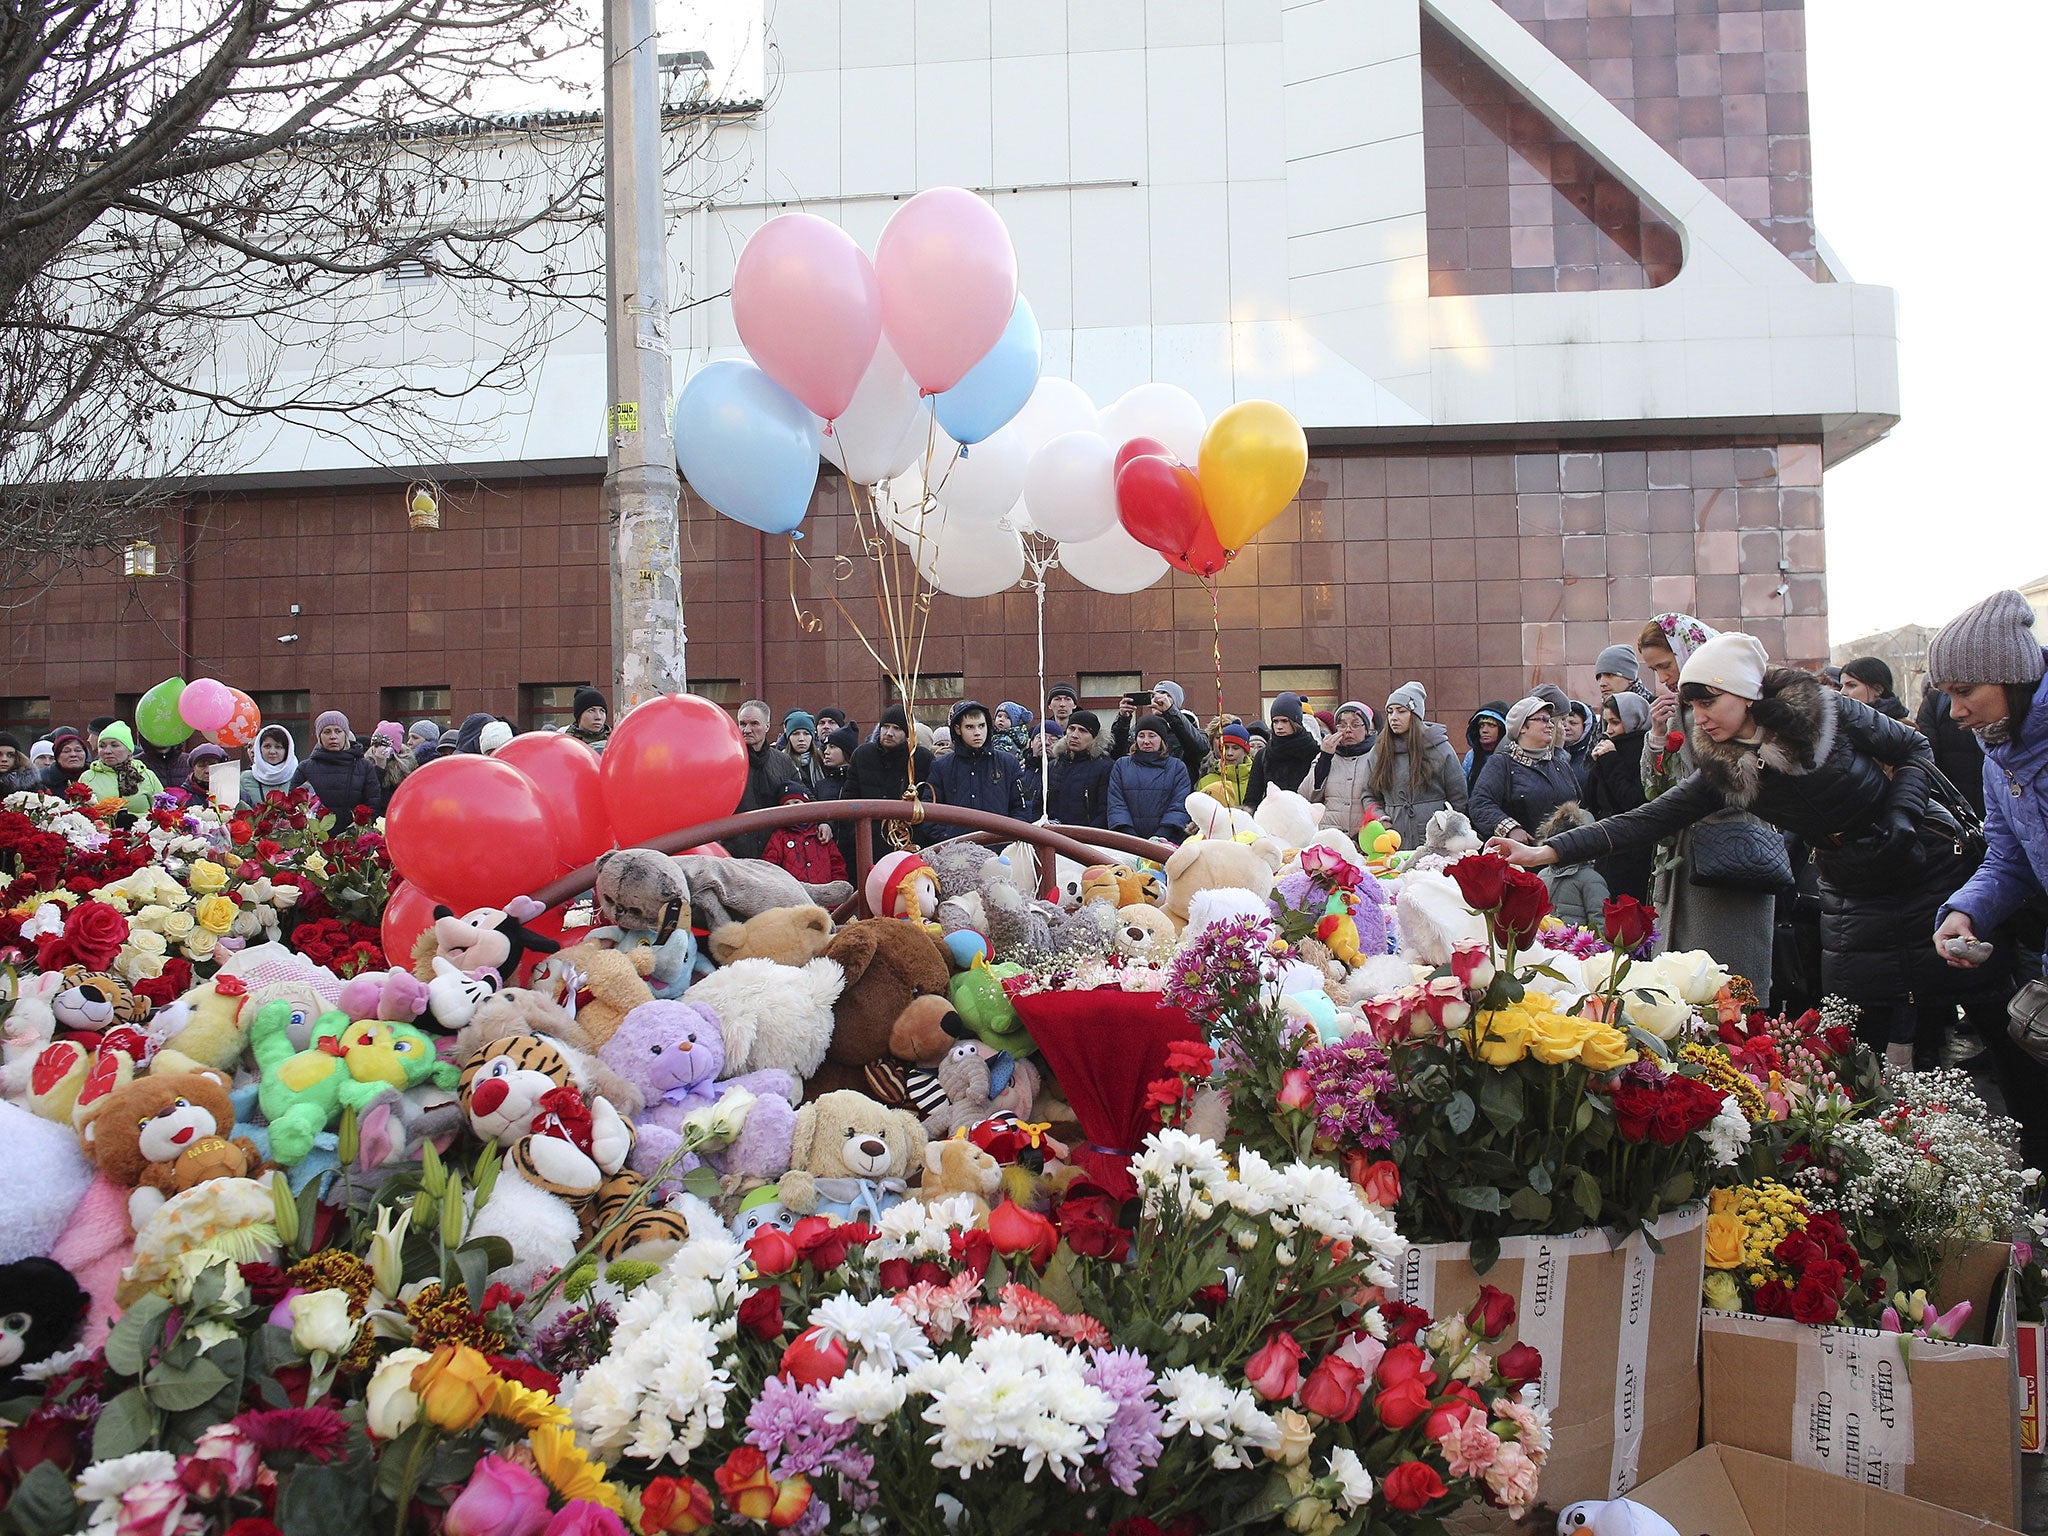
{"x":1854,"y":786}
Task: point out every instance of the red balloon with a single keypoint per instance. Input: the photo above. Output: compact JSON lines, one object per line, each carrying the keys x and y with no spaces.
{"x":671,"y":762}
{"x":473,"y":829}
{"x":1205,"y":556}
{"x":1136,"y":448}
{"x":406,"y":916}
{"x":1159,"y":503}
{"x":566,"y":772}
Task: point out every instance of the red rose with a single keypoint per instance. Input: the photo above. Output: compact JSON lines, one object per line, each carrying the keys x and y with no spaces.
{"x":1274,"y":1370}
{"x":1797,"y":1250}
{"x":1379,"y":1182}
{"x":772,"y":1251}
{"x":1772,"y":1299}
{"x":1443,"y":1420}
{"x":1634,"y":1106}
{"x":1520,"y":1364}
{"x":1402,"y":1404}
{"x":93,"y":934}
{"x":1094,"y":1239}
{"x":1412,"y":1484}
{"x":972,"y":1250}
{"x":1827,"y":1274}
{"x":527,"y":1375}
{"x":1333,"y":1390}
{"x":1625,"y":921}
{"x":266,"y":1283}
{"x":813,"y":1358}
{"x":1674,"y":741}
{"x":822,"y":1244}
{"x":1016,"y":1231}
{"x":1404,"y":1321}
{"x":362,"y":815}
{"x":1493,"y":1314}
{"x":761,"y":1313}
{"x":1482,"y":880}
{"x":1523,"y":905}
{"x":1404,"y":1362}
{"x":1814,"y":1303}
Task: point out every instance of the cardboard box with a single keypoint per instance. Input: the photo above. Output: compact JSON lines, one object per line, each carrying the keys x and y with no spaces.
{"x":1934,"y":1421}
{"x":1723,"y":1491}
{"x":1617,"y":1324}
{"x":2027,"y":1348}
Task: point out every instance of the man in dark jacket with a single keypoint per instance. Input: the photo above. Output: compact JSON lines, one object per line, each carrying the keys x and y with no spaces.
{"x":768,"y":769}
{"x":1080,"y":775}
{"x":886,"y":768}
{"x":1148,"y":790}
{"x":336,"y":771}
{"x":976,"y":774}
{"x":172,"y":765}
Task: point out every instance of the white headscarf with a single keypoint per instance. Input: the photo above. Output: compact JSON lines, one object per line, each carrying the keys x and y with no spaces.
{"x":278,"y":776}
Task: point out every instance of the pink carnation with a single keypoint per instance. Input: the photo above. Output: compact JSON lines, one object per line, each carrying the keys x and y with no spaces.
{"x":1469,"y":1447}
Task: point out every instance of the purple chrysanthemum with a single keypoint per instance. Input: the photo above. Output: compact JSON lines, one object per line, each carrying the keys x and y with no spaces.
{"x":1130,"y":1441}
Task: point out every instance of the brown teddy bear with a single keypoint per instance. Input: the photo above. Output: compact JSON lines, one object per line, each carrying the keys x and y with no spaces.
{"x":894,"y":1013}
{"x":159,"y":1136}
{"x":597,"y":986}
{"x":786,"y":935}
{"x":850,"y":1156}
{"x":956,"y":1166}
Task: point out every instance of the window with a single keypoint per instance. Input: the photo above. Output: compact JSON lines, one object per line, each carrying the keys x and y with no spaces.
{"x":1106,"y":690}
{"x":937,"y":693}
{"x":406,"y":705}
{"x":291,"y":708}
{"x":1316,"y":687}
{"x":548,"y":706}
{"x":719,"y":690}
{"x":26,"y":718}
{"x":409,"y":274}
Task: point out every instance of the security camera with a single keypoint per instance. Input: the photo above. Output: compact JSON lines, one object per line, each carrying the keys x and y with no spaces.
{"x":286,"y":639}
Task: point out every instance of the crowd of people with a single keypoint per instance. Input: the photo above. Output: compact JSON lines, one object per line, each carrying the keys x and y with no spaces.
{"x":1803,"y":827}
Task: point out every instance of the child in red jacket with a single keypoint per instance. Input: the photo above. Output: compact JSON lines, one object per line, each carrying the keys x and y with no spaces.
{"x":805,"y":850}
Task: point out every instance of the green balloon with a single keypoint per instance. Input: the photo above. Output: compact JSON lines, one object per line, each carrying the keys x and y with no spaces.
{"x":156,"y":713}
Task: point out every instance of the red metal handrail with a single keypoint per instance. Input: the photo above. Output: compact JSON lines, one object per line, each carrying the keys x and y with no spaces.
{"x":1085,"y":845}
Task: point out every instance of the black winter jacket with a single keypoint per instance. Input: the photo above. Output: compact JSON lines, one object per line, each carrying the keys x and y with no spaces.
{"x":1510,"y":790}
{"x":874,"y":774}
{"x":1080,"y":790}
{"x":1614,"y":787}
{"x":1148,"y":796}
{"x":342,"y":780}
{"x":1853,"y":785}
{"x":980,"y":778}
{"x":1286,"y":761}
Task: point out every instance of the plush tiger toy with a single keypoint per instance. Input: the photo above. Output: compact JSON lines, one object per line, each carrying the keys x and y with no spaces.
{"x":564,"y":1175}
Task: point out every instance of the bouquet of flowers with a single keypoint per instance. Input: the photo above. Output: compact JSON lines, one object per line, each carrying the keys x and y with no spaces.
{"x":1226,"y":1351}
{"x":341,"y":861}
{"x":1769,"y":1253}
{"x":1793,"y":1079}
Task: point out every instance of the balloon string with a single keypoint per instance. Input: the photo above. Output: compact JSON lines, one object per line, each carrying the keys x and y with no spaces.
{"x":806,"y":621}
{"x":1216,"y":638}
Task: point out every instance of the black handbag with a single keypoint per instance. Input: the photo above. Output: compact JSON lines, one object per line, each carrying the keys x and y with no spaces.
{"x":1970,"y":841}
{"x":1744,"y":855}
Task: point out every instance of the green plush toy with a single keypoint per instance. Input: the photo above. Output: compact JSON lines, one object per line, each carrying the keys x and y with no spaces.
{"x":978,"y":997}
{"x":351,"y":1063}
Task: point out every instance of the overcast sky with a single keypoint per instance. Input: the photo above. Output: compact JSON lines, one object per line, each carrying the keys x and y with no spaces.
{"x":1924,"y":182}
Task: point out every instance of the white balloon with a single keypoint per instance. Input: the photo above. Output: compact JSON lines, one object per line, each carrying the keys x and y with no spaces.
{"x":1070,"y":487}
{"x":969,"y":559}
{"x":1113,"y":562}
{"x":984,"y":481}
{"x":883,"y":429}
{"x":1055,"y":406}
{"x":902,"y":505}
{"x":1165,"y":413}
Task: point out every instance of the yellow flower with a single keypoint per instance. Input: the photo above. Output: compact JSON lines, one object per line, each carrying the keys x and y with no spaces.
{"x":455,"y":1387}
{"x":568,"y":1470}
{"x":1297,"y":1435}
{"x":1721,"y":1200}
{"x":521,"y":1405}
{"x":216,"y":914}
{"x":206,"y":877}
{"x":1724,"y":1240}
{"x":1555,"y":1038}
{"x":1605,"y":1049}
{"x":1721,"y":1292}
{"x":1500,"y":1038}
{"x":314,"y":865}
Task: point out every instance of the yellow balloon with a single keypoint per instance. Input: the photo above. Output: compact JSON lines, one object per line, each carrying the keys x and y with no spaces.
{"x":1254,"y":456}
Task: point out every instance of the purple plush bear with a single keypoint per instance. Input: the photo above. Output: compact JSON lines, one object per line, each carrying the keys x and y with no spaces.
{"x":674,"y":1053}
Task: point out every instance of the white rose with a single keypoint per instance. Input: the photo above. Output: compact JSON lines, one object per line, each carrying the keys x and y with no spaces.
{"x":143,"y":942}
{"x":199,"y":944}
{"x":1595,"y":969}
{"x":1690,"y":975}
{"x":1655,"y":1011}
{"x":285,"y":897}
{"x":320,"y":1321}
{"x":392,"y":1407}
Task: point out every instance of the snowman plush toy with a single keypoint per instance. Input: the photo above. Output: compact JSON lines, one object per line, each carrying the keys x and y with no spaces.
{"x":1613,"y":1517}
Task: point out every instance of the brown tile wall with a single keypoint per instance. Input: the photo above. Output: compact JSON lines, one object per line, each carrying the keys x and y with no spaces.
{"x":1478,"y":571}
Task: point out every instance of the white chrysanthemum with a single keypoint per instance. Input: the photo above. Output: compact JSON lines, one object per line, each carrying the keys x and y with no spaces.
{"x":1196,"y":1403}
{"x":1354,"y":1483}
{"x":1258,"y":1187}
{"x":1727,"y":1134}
{"x":1184,"y":1170}
{"x":110,"y":1479}
{"x":867,"y":1394}
{"x":879,"y":1329}
{"x":914,"y":1230}
{"x":1012,"y":1391}
{"x":659,"y":1392}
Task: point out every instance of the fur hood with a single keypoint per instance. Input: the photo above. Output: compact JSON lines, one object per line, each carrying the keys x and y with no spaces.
{"x":1798,"y":720}
{"x":1564,"y":819}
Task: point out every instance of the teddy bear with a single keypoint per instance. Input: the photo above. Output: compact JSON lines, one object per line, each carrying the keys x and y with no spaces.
{"x":1448,"y":837}
{"x":956,"y":1169}
{"x":774,"y":1016}
{"x":207,"y":1027}
{"x":1211,"y":818}
{"x":350,"y":1062}
{"x":1290,"y":819}
{"x":786,"y":935}
{"x":673,"y":1052}
{"x":726,"y":890}
{"x":1207,"y":863}
{"x":1432,"y":918}
{"x":597,"y":986}
{"x":978,"y":1081}
{"x":564,"y":1170}
{"x":1145,"y":934}
{"x":40,"y":1308}
{"x":160,"y":1136}
{"x":850,"y":1156}
{"x":892,"y":1014}
{"x":1119,"y":885}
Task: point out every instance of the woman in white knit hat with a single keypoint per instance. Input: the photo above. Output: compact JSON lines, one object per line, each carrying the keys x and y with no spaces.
{"x":1854,"y":785}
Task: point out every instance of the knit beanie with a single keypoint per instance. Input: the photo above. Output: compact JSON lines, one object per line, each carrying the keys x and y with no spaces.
{"x":41,"y":752}
{"x":392,"y":732}
{"x":1153,"y":723}
{"x":1554,"y":696}
{"x":328,"y":717}
{"x":1731,"y":663}
{"x":1087,"y":719}
{"x":1991,"y":643}
{"x":586,"y":698}
{"x":794,"y":794}
{"x":1015,"y":714}
{"x":895,"y":716}
{"x":1059,"y":690}
{"x":427,"y":731}
{"x":1327,"y":719}
{"x":1237,"y":733}
{"x":833,"y":713}
{"x":1520,"y":714}
{"x":118,"y":731}
{"x":846,"y":738}
{"x":1260,"y":729}
{"x":1871,"y":672}
{"x":1620,"y":660}
{"x":1173,"y":691}
{"x":798,"y":720}
{"x":1363,"y":711}
{"x":494,"y":736}
{"x":1287,"y":707}
{"x":1413,"y":696}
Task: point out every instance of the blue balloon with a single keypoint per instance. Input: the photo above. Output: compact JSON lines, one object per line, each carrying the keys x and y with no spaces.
{"x":994,"y":389}
{"x":745,"y":444}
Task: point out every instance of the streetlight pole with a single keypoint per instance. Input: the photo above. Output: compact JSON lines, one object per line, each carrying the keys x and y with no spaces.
{"x":641,"y":487}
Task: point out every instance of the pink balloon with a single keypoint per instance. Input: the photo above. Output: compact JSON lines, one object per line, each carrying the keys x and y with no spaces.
{"x":206,"y":704}
{"x":807,"y":306}
{"x":949,"y":282}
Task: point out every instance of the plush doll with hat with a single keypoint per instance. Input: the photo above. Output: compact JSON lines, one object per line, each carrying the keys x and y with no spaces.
{"x":904,"y":886}
{"x":643,"y":901}
{"x":760,"y":1208}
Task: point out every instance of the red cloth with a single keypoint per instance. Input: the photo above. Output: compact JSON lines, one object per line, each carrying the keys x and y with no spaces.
{"x":798,"y":850}
{"x":1106,"y":1047}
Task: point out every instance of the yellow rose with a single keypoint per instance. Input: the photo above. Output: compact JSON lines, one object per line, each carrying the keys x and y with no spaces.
{"x":1724,"y":1240}
{"x":216,"y":914}
{"x":206,"y":877}
{"x":1722,"y":1200}
{"x":178,"y":925}
{"x":1500,"y":1039}
{"x":1296,"y":1436}
{"x":315,"y":865}
{"x":1605,"y":1048}
{"x":1558,"y":1037}
{"x":1721,"y":1292}
{"x":454,"y":1387}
